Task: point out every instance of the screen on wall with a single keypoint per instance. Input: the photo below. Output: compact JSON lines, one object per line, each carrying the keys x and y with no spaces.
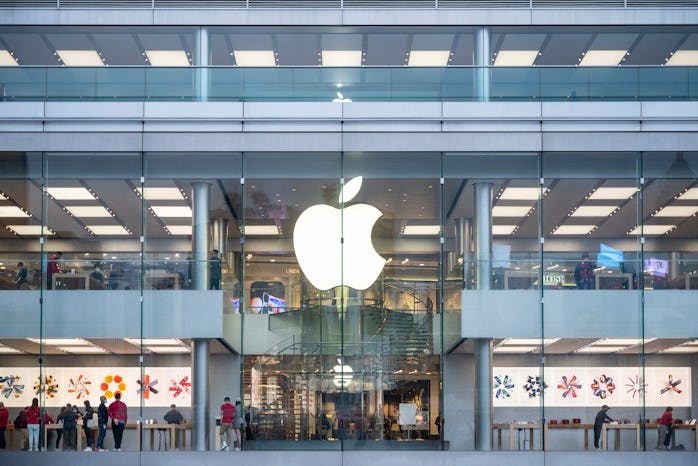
{"x":609,"y":257}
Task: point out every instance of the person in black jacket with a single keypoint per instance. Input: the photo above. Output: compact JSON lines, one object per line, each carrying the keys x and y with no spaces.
{"x":87,"y":424}
{"x":601,"y":417}
{"x":102,"y":419}
{"x":69,"y":418}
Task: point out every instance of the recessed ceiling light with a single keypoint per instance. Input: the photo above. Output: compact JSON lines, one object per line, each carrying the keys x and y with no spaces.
{"x":677,"y":211}
{"x":520,"y":194}
{"x":70,"y":194}
{"x":602,"y":57}
{"x":421,"y":230}
{"x":428,"y":58}
{"x":527,"y":341}
{"x":621,"y":341}
{"x":515,"y":349}
{"x":179,"y":229}
{"x":171,"y":211}
{"x":503,"y":229}
{"x":12,"y":211}
{"x":88,"y":211}
{"x":6,"y":59}
{"x":515,"y":57}
{"x":30,"y":230}
{"x":60,"y":341}
{"x":612,"y":193}
{"x":254,"y":57}
{"x":154,"y":341}
{"x":573,"y":229}
{"x":161,"y":194}
{"x":82,"y":349}
{"x":8,"y":350}
{"x":690,"y":195}
{"x":683,"y":58}
{"x":108,"y":230}
{"x":168,"y":349}
{"x":510,"y":211}
{"x":167,"y":57}
{"x":80,"y":57}
{"x":601,"y":349}
{"x":341,"y":58}
{"x":652,"y":230}
{"x":594,"y":211}
{"x":261,"y":230}
{"x":681,"y":349}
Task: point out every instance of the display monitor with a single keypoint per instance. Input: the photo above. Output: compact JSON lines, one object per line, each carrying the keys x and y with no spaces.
{"x":609,"y":257}
{"x":656,"y":267}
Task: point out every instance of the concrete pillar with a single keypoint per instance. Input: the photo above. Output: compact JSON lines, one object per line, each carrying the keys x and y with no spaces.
{"x":202,"y":60}
{"x":463,"y":249}
{"x":482,"y":54}
{"x":483,"y":235}
{"x":219,"y":236}
{"x":674,"y":265}
{"x":201,"y":193}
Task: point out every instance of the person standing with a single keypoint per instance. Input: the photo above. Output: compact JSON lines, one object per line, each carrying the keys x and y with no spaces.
{"x":4,"y":417}
{"x":21,"y":426}
{"x":174,"y":417}
{"x":227,"y":417}
{"x":33,"y":417}
{"x":52,"y":267}
{"x":601,"y":417}
{"x":70,"y":433}
{"x":215,"y":271}
{"x":87,"y":424}
{"x":238,"y":421}
{"x":664,"y":428}
{"x":102,"y":419}
{"x":584,"y":273}
{"x":119,"y":415}
{"x":22,"y":274}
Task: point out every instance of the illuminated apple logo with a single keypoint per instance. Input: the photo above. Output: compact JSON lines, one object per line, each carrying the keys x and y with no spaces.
{"x":343,"y":374}
{"x":317,"y":239}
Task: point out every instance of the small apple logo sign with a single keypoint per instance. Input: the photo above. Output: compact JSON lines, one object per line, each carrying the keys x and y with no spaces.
{"x":317,"y":239}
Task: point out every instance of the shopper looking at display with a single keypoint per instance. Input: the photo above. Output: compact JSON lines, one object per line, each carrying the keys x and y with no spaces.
{"x":601,"y":417}
{"x":215,"y":271}
{"x":33,"y":417}
{"x":102,"y":420}
{"x":584,"y":273}
{"x":52,"y":267}
{"x":69,"y":418}
{"x":119,"y":415}
{"x":664,"y":429}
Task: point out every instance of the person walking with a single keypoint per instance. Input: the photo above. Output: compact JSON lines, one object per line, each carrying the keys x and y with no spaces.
{"x":119,"y":415}
{"x":102,"y":420}
{"x":601,"y":417}
{"x":227,"y":417}
{"x":238,"y":421}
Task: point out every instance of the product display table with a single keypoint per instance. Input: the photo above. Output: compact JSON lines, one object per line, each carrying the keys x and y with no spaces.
{"x":512,"y":427}
{"x":653,"y":426}
{"x":586,"y":427}
{"x":618,"y":427}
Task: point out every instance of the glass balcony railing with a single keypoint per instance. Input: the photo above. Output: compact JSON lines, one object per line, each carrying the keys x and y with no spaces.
{"x":312,"y":84}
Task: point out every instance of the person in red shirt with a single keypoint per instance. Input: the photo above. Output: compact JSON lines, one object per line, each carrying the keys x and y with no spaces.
{"x":4,"y":416}
{"x":664,"y":428}
{"x":118,"y":413}
{"x":33,"y":417}
{"x":227,"y":416}
{"x":52,"y":267}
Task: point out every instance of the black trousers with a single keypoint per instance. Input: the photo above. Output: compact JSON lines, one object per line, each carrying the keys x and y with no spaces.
{"x":118,"y":430}
{"x":597,"y":436}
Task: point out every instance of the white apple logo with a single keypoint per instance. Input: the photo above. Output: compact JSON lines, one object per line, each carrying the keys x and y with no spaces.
{"x":317,"y":239}
{"x":344,"y":374}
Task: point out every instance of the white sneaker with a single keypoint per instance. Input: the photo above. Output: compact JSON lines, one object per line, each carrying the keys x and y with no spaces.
{"x":224,"y":446}
{"x":118,"y":449}
{"x":87,"y":449}
{"x":237,"y":449}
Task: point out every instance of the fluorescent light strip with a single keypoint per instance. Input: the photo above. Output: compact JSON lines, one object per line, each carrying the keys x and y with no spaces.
{"x":602,"y":57}
{"x":515,"y":349}
{"x":574,"y":229}
{"x":621,"y":341}
{"x":82,"y":349}
{"x":153,"y":341}
{"x":70,"y":194}
{"x":683,"y":58}
{"x":341,"y":58}
{"x":12,"y":211}
{"x":613,"y":193}
{"x":88,"y":211}
{"x":510,"y":211}
{"x":167,"y":57}
{"x":601,"y":349}
{"x":184,"y":230}
{"x":8,"y":350}
{"x":677,"y":211}
{"x":515,"y":57}
{"x":171,"y":211}
{"x":168,"y":349}
{"x":421,"y":230}
{"x":161,"y":194}
{"x":520,"y":194}
{"x":261,"y":230}
{"x":681,"y":349}
{"x":652,"y":230}
{"x":503,"y":229}
{"x":527,"y":341}
{"x":30,"y":230}
{"x":254,"y":58}
{"x":690,"y":195}
{"x":60,"y":341}
{"x":428,"y":58}
{"x":80,"y":57}
{"x":6,"y":59}
{"x":593,"y":211}
{"x":108,"y":230}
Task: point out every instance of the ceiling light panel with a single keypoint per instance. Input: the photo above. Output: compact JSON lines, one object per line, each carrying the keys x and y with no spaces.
{"x":428,"y":58}
{"x":574,"y":229}
{"x":621,"y":341}
{"x":613,"y":193}
{"x":681,"y":349}
{"x":677,"y":211}
{"x":108,"y":230}
{"x":82,"y":349}
{"x":601,"y":349}
{"x":520,"y":194}
{"x":6,"y":59}
{"x":516,"y":57}
{"x":88,"y":211}
{"x":179,"y":229}
{"x":30,"y":230}
{"x":689,"y":195}
{"x":652,"y":230}
{"x":153,"y":341}
{"x":12,"y":211}
{"x":683,"y":58}
{"x":602,"y":57}
{"x":254,"y":57}
{"x":161,"y":194}
{"x":171,"y":211}
{"x":70,"y":194}
{"x":515,"y":349}
{"x":503,"y":229}
{"x":80,"y":57}
{"x":593,"y":211}
{"x":261,"y":230}
{"x":168,"y":57}
{"x":60,"y":341}
{"x":527,"y":341}
{"x":341,"y":58}
{"x":510,"y":211}
{"x":421,"y":230}
{"x":168,"y":349}
{"x":8,"y":350}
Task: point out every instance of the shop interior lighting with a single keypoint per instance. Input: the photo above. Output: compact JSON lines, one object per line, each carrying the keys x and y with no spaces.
{"x":168,"y":349}
{"x":602,"y":57}
{"x":88,"y":211}
{"x":601,"y":349}
{"x":261,"y":230}
{"x":503,"y":229}
{"x":108,"y":230}
{"x":574,"y":229}
{"x":179,"y":229}
{"x":621,"y":341}
{"x":683,"y":58}
{"x":80,"y":57}
{"x":161,"y":194}
{"x":428,"y":58}
{"x":6,"y":59}
{"x":516,"y":57}
{"x":527,"y":341}
{"x":515,"y":349}
{"x":167,"y":57}
{"x":652,"y":230}
{"x":682,"y":349}
{"x":520,"y":194}
{"x":510,"y":211}
{"x":594,"y":211}
{"x":154,"y":341}
{"x":60,"y":341}
{"x":421,"y":230}
{"x":341,"y":58}
{"x":677,"y":211}
{"x":690,"y":195}
{"x":82,"y":349}
{"x":70,"y":194}
{"x":30,"y":230}
{"x":254,"y":57}
{"x":12,"y":211}
{"x":8,"y":350}
{"x":613,"y":193}
{"x":171,"y":211}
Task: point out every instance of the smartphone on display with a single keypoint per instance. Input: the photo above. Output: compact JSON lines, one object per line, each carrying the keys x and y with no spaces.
{"x":267,"y":298}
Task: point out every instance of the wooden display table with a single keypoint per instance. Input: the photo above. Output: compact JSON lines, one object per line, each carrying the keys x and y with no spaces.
{"x":586,"y":427}
{"x":172,"y":428}
{"x":653,"y":426}
{"x":71,"y":281}
{"x":618,"y":427}
{"x":511,"y":427}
